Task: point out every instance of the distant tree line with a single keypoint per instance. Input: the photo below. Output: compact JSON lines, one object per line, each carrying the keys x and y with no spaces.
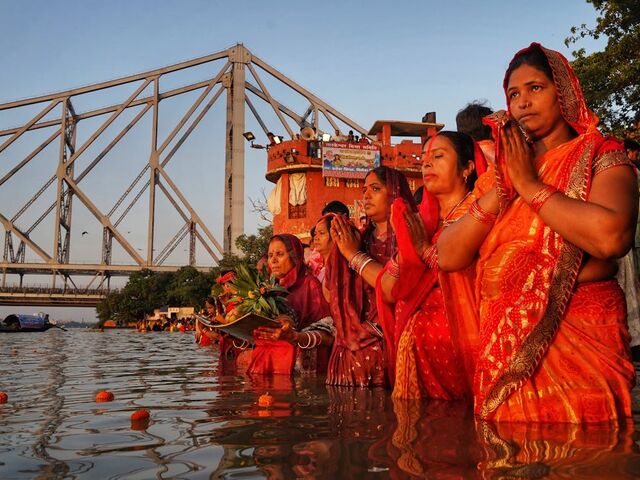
{"x":146,"y":290}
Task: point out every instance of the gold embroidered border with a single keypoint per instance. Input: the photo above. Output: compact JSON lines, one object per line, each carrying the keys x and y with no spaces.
{"x":610,"y":159}
{"x":525,"y":361}
{"x":499,"y":119}
{"x":569,"y":102}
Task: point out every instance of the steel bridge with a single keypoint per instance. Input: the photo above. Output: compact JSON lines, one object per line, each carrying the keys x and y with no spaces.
{"x":70,"y":140}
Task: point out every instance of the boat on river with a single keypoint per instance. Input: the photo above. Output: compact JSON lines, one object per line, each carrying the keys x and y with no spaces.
{"x":19,"y":322}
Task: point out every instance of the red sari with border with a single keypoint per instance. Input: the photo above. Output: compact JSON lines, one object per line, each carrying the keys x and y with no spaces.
{"x":552,"y":351}
{"x":306,"y":299}
{"x":432,"y":329}
{"x":357,"y":357}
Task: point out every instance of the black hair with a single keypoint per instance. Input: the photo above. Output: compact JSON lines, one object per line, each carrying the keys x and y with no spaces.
{"x":631,"y":145}
{"x":469,"y":121}
{"x":336,"y":206}
{"x":418,"y":194}
{"x":533,"y":57}
{"x":465,"y":151}
{"x":380,"y":172}
{"x":211,"y":300}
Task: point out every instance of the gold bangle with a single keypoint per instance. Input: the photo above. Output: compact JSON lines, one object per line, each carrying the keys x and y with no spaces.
{"x":541,"y":196}
{"x":481,"y":215}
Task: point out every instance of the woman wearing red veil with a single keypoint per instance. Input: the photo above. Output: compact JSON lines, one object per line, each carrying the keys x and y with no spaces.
{"x":352,"y":269}
{"x":302,"y":343}
{"x":431,"y":324}
{"x":553,"y":334}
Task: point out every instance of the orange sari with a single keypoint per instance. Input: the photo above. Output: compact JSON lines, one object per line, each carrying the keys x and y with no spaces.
{"x":551,"y":351}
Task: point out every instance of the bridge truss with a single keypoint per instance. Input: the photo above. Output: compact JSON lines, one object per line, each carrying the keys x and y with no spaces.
{"x":39,"y":229}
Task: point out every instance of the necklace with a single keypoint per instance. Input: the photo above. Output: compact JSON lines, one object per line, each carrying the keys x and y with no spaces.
{"x":446,"y":220}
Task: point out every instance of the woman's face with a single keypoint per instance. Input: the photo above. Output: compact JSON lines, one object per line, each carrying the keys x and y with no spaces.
{"x":374,"y":194}
{"x":279,"y":260}
{"x":440,"y":172}
{"x":321,"y":239}
{"x":533,"y":102}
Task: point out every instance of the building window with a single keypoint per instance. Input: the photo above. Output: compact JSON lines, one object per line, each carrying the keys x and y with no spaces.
{"x":332,"y":181}
{"x":352,"y":183}
{"x":298,"y":211}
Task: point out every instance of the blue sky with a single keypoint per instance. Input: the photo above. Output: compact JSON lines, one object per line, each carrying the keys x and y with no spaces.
{"x":370,"y":60}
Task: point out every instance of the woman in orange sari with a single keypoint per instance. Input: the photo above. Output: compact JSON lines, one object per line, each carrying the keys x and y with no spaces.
{"x":431,"y":328}
{"x":553,"y":334}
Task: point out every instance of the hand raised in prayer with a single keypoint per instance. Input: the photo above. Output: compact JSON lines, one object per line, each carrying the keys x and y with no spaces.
{"x":519,"y":158}
{"x":417,"y":231}
{"x":345,"y":236}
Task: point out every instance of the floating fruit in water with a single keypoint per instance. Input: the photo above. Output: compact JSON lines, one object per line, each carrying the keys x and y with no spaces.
{"x":142,"y":414}
{"x":104,"y":396}
{"x":265,"y":400}
{"x":140,"y":419}
{"x":4,"y":397}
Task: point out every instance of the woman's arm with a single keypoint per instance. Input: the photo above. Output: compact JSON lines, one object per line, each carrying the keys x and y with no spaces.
{"x":458,"y":244}
{"x":603,"y":226}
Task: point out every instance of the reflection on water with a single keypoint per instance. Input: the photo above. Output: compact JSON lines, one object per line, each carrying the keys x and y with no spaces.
{"x":207,"y":425}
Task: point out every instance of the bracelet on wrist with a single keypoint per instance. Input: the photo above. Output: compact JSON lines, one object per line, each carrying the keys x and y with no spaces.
{"x":393,"y":268}
{"x":430,"y":256}
{"x":481,"y":215}
{"x":541,"y":196}
{"x":359,"y":261}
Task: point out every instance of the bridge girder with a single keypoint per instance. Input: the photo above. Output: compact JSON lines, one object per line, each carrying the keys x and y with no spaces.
{"x":242,"y":77}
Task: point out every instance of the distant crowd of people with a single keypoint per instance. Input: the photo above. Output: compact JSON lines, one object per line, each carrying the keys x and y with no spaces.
{"x":498,"y":286}
{"x":167,"y":325}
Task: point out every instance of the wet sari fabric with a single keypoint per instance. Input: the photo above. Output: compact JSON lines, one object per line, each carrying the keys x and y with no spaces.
{"x":357,"y":357}
{"x":551,"y":350}
{"x":433,"y":329}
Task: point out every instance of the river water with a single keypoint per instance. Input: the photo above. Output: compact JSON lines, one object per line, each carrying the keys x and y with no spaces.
{"x":205,"y":424}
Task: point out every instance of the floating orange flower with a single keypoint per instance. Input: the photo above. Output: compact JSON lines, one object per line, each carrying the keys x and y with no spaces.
{"x":4,"y":397}
{"x":265,"y":400}
{"x":104,"y":396}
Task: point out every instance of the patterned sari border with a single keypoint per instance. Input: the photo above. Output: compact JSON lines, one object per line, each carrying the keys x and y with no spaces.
{"x":565,"y":273}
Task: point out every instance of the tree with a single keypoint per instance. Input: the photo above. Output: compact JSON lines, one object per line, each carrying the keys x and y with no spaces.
{"x":146,"y":290}
{"x":189,"y":287}
{"x":611,"y":78}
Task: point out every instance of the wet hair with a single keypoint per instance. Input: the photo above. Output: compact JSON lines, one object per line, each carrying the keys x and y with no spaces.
{"x":533,"y":57}
{"x":465,"y":151}
{"x":469,"y":121}
{"x":336,"y":206}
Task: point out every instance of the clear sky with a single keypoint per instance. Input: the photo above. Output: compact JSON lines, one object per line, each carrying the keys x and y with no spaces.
{"x":370,"y":60}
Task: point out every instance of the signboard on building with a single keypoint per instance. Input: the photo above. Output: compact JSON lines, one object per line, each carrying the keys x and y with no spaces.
{"x":348,"y":160}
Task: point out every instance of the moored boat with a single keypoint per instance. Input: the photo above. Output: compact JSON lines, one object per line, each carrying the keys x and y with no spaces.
{"x":19,"y":322}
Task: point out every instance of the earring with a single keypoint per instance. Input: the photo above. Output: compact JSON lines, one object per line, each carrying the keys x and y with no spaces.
{"x":465,"y":177}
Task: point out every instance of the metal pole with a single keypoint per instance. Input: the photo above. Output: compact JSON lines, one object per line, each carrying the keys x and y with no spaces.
{"x":239,"y":56}
{"x":153,"y":164}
